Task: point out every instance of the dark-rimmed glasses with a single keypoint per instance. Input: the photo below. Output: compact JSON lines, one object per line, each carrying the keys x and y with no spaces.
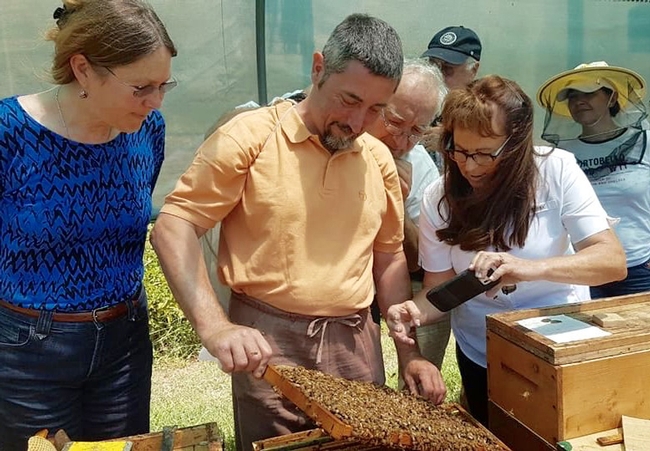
{"x":394,"y":130}
{"x":480,"y":158}
{"x":144,"y":91}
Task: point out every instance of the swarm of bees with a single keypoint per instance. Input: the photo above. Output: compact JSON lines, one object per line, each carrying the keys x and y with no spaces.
{"x":384,"y":417}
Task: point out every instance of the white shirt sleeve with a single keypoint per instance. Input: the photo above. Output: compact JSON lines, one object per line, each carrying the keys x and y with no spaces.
{"x":435,"y":256}
{"x":424,"y":173}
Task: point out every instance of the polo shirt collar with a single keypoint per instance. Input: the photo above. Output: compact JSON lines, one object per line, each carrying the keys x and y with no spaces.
{"x":296,"y":131}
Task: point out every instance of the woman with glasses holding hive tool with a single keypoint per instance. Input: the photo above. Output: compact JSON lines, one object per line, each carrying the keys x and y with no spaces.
{"x":504,"y":210}
{"x":596,"y":111}
{"x":78,"y":164}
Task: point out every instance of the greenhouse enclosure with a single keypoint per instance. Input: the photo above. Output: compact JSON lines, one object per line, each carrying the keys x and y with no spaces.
{"x":231,"y":52}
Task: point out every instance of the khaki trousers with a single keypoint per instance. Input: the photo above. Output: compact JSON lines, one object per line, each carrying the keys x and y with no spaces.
{"x":433,"y":340}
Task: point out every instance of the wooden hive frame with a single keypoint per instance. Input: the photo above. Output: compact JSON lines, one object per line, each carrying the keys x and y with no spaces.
{"x":338,"y":429}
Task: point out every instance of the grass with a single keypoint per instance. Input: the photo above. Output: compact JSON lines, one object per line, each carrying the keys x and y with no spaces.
{"x":190,"y":392}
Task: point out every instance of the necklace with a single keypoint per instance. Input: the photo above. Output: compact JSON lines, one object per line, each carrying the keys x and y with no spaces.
{"x":603,"y":136}
{"x":65,"y":125}
{"x":58,"y":107}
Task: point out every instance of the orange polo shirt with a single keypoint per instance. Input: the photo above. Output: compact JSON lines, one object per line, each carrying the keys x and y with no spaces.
{"x":299,"y":225}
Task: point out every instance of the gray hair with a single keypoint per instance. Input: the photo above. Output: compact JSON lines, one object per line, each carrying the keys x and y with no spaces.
{"x":471,"y":63}
{"x":366,"y":39}
{"x":430,"y":75}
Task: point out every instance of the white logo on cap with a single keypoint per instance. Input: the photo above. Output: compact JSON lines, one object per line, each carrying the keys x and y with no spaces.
{"x":448,"y":38}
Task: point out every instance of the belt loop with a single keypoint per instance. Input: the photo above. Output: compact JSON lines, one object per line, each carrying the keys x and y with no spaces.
{"x":44,"y":324}
{"x":98,"y":324}
{"x":131,"y":313}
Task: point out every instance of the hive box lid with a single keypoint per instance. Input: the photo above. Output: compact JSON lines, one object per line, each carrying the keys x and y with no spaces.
{"x":630,"y":333}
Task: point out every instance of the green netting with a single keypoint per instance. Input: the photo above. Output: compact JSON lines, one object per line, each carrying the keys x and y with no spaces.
{"x":527,"y":40}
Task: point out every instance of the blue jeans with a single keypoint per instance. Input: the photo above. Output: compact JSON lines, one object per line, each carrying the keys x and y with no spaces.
{"x":637,"y":281}
{"x":91,"y":379}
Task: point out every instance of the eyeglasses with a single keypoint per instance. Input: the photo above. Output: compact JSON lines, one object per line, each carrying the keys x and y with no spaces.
{"x":144,"y":91}
{"x":394,"y":130}
{"x":480,"y":158}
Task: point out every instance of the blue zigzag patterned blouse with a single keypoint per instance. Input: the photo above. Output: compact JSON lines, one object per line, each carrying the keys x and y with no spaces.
{"x":73,"y":217}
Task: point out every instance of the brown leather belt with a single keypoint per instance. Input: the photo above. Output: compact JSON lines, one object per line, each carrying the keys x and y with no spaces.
{"x":101,"y":314}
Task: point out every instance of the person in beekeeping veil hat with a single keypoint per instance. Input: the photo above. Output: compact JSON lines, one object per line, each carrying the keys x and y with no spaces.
{"x":596,"y":112}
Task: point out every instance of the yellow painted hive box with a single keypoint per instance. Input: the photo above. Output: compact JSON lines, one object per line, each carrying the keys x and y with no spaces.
{"x":203,"y":437}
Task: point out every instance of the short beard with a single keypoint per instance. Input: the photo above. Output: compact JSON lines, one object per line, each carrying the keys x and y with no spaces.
{"x":335,"y":143}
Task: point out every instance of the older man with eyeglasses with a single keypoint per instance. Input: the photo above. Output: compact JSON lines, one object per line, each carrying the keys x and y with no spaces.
{"x":401,"y":125}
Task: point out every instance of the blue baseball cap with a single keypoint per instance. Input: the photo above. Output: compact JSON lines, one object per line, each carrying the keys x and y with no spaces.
{"x":454,"y":45}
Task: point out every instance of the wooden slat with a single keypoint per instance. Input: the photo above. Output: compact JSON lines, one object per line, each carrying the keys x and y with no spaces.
{"x":609,"y":440}
{"x":292,"y":441}
{"x":311,"y":440}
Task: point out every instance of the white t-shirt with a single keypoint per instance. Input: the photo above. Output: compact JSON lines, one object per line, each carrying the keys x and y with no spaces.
{"x":424,"y":173}
{"x":623,"y":189}
{"x":566,"y":204}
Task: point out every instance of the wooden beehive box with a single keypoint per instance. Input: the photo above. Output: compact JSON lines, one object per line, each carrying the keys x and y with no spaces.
{"x":542,"y":391}
{"x":204,"y":437}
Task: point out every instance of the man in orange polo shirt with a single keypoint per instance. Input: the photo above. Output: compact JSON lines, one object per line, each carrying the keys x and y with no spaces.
{"x":312,"y":222}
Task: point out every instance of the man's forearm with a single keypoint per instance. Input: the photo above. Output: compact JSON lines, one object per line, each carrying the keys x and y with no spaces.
{"x":176,"y":244}
{"x":393,"y":287}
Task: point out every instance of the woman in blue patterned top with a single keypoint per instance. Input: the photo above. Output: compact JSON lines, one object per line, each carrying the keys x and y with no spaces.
{"x":78,"y":164}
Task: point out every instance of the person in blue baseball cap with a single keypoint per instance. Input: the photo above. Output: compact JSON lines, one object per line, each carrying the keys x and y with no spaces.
{"x":456,"y":51}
